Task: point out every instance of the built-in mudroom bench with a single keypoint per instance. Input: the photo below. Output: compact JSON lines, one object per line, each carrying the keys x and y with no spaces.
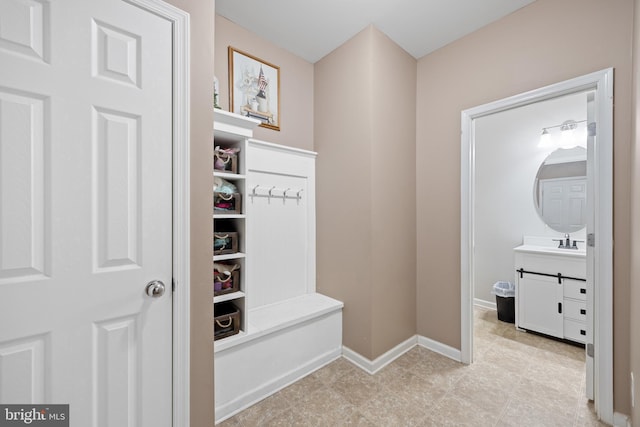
{"x":283,"y":328}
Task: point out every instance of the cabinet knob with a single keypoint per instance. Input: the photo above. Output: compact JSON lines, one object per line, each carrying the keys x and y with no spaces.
{"x":583,"y":311}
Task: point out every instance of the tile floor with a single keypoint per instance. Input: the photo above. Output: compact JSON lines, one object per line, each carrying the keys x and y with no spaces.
{"x":518,"y":379}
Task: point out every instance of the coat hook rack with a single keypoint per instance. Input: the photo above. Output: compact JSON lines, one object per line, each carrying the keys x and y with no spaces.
{"x":274,"y":191}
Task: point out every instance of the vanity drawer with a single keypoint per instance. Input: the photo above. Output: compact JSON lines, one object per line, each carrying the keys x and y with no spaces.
{"x":575,"y":289}
{"x":576,"y":310}
{"x":575,"y":330}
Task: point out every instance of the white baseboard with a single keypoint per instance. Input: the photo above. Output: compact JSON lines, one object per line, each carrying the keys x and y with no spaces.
{"x":254,"y":396}
{"x":484,"y":304}
{"x":373,"y":366}
{"x":438,"y":347}
{"x":621,"y":420}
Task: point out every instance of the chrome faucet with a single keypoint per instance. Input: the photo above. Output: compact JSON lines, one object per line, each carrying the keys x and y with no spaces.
{"x":567,"y":243}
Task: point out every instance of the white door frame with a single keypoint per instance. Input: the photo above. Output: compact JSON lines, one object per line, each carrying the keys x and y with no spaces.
{"x":181,"y":201}
{"x":602,"y":83}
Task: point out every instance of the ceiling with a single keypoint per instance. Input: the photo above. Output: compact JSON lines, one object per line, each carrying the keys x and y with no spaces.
{"x":311,"y":29}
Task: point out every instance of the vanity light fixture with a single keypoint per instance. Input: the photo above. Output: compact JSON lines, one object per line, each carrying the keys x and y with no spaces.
{"x":568,"y":136}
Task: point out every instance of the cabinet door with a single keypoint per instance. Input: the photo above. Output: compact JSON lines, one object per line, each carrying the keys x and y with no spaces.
{"x":539,"y":304}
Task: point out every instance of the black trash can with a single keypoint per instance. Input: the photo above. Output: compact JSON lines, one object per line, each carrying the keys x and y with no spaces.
{"x":505,"y":293}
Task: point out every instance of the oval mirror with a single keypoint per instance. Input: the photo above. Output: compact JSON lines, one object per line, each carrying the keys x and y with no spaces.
{"x":560,"y":190}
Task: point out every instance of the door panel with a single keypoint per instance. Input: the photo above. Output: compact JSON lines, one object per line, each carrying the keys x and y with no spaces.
{"x":23,"y":251}
{"x":23,"y":26}
{"x":117,"y":179}
{"x":85,"y":213}
{"x":538,"y":299}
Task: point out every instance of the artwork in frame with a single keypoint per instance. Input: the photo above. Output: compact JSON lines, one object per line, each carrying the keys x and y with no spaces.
{"x":254,"y":88}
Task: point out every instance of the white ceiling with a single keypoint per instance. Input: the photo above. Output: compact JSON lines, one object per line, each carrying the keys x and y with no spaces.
{"x":313,"y":28}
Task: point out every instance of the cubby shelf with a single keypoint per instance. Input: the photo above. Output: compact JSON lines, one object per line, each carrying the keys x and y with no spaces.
{"x":229,"y":176}
{"x":228,"y":297}
{"x":228,"y":216}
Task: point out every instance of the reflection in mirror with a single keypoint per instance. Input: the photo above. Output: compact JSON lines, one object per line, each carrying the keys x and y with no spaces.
{"x":560,"y":190}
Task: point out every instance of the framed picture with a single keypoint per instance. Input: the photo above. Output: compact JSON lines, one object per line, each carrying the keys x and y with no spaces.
{"x":254,"y":88}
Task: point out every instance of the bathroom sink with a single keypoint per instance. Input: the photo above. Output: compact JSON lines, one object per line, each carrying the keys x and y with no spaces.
{"x":551,"y":250}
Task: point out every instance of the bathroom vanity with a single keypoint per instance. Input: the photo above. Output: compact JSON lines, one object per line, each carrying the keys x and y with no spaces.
{"x":551,"y":291}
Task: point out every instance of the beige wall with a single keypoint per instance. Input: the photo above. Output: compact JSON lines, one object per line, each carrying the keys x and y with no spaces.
{"x":635,"y":219}
{"x":296,"y":83}
{"x":393,"y":186}
{"x":202,"y":28}
{"x":343,"y":189}
{"x":546,"y":42}
{"x":365,"y":136}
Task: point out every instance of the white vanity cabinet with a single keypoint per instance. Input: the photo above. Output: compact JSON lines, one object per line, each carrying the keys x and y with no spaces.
{"x":551,"y":292}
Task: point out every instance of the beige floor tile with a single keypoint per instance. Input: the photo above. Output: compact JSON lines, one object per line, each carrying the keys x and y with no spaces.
{"x":358,"y":388}
{"x":454,"y":411}
{"x":350,"y":416}
{"x":517,"y":379}
{"x":527,"y":412}
{"x":298,"y":390}
{"x":394,"y":409}
{"x":231,"y":422}
{"x":262,"y":412}
{"x":334,"y":370}
{"x":483,"y":393}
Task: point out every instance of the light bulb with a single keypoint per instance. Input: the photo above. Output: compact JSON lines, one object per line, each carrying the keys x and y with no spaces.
{"x":567,"y":138}
{"x":545,"y":139}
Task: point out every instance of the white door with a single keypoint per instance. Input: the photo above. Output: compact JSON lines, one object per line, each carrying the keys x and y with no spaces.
{"x":563,"y":203}
{"x":85,"y":209}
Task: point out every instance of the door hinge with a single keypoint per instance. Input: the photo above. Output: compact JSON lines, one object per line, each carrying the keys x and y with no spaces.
{"x":590,"y":350}
{"x":173,"y":285}
{"x":591,"y":129}
{"x":591,"y":240}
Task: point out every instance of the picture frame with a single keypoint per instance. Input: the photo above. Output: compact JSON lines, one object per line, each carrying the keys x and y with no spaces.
{"x":254,"y":88}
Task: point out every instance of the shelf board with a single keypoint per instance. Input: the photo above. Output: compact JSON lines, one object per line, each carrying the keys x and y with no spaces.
{"x":229,"y":256}
{"x":228,"y":216}
{"x":229,"y":339}
{"x":228,"y":297}
{"x":229,"y":175}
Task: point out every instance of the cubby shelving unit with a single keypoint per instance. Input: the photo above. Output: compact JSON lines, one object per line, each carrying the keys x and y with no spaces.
{"x":232,"y":130}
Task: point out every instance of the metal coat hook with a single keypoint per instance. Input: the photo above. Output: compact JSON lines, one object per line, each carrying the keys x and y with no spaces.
{"x":284,"y":193}
{"x":253,"y":192}
{"x":298,"y":193}
{"x":271,"y":190}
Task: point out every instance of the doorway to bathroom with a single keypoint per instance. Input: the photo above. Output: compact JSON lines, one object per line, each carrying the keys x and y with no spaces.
{"x":514,"y":165}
